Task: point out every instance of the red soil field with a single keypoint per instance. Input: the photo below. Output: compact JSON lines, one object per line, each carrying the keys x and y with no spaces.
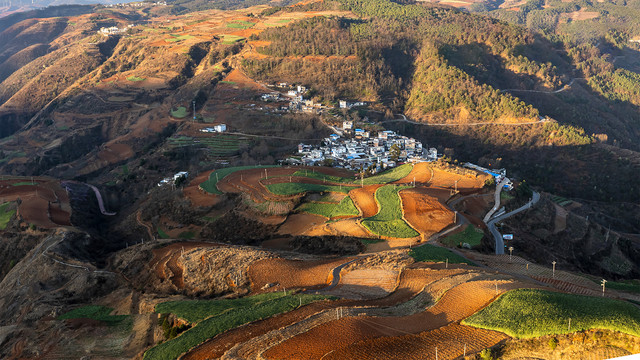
{"x":424,"y":212}
{"x":455,"y":305}
{"x":216,"y":347}
{"x":45,"y":204}
{"x":364,"y":199}
{"x":466,"y":184}
{"x":292,"y":273}
{"x":300,"y":224}
{"x":249,"y":181}
{"x":452,"y":341}
{"x":421,"y":172}
{"x":200,"y":197}
{"x":347,"y":227}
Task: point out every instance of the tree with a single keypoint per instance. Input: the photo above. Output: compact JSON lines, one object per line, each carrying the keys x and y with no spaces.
{"x":394,"y":152}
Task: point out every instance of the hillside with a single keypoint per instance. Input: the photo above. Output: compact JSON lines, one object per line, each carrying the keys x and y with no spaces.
{"x":136,"y":225}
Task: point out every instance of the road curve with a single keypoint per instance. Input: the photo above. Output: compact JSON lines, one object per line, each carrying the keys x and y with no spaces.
{"x":492,"y":223}
{"x":100,"y":201}
{"x":496,"y":199}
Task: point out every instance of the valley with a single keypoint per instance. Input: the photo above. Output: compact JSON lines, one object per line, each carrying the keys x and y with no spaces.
{"x":252,"y":180}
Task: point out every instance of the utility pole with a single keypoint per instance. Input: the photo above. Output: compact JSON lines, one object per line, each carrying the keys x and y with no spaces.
{"x":447,"y":263}
{"x":603,"y":282}
{"x":554,"y":269}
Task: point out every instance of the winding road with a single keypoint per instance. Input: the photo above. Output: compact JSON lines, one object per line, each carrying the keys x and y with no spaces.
{"x":492,"y":223}
{"x":404,"y":119}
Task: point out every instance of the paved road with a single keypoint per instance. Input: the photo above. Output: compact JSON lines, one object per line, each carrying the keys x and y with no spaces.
{"x":100,"y":202}
{"x":568,"y":86}
{"x":496,"y":200}
{"x":492,"y":223}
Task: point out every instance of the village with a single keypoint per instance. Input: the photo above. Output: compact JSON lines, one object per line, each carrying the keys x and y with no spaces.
{"x":297,"y":103}
{"x":359,"y":149}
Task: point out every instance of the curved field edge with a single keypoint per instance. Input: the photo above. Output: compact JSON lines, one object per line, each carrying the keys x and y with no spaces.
{"x":387,"y":176}
{"x":389,"y":220}
{"x":211,"y":185}
{"x":226,"y":320}
{"x":431,"y":253}
{"x":530,"y":313}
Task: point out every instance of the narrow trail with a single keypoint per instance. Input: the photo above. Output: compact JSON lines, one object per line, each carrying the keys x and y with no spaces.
{"x":145,"y":225}
{"x":566,"y":87}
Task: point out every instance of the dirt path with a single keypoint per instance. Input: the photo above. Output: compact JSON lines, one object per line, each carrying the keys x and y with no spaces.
{"x":291,"y":273}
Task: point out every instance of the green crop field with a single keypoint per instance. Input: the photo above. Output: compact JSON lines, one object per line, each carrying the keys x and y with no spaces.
{"x":624,"y":285}
{"x":231,"y":39}
{"x":384,"y":177}
{"x":219,"y":145}
{"x":343,"y":208}
{"x":135,"y":78}
{"x":240,"y":24}
{"x":179,"y":113}
{"x":529,"y":313}
{"x":5,"y":215}
{"x":388,"y":221}
{"x":470,"y":235}
{"x":210,"y":184}
{"x":220,"y":316}
{"x":431,"y":253}
{"x":95,"y":312}
{"x":24,"y":183}
{"x":195,"y":311}
{"x":390,"y":175}
{"x":298,"y":188}
{"x":162,"y":234}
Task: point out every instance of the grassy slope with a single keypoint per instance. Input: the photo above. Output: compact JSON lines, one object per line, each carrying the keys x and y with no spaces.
{"x":237,"y":312}
{"x":390,"y":175}
{"x":388,"y":221}
{"x":437,"y":254}
{"x":298,"y":188}
{"x":5,"y":215}
{"x":470,"y":236}
{"x":343,"y":208}
{"x":528,"y":313}
{"x":95,"y":312}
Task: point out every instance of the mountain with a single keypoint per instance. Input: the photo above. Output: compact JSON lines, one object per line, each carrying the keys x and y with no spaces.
{"x":101,"y":105}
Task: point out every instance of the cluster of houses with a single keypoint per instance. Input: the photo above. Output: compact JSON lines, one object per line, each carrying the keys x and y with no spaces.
{"x":362,"y":150}
{"x":114,"y":30}
{"x":297,"y":102}
{"x":172,"y":180}
{"x":215,"y":129}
